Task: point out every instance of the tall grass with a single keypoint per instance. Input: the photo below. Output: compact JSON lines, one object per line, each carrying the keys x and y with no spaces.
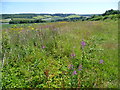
{"x":60,"y":55}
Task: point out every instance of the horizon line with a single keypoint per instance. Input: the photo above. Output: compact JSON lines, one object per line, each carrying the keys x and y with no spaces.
{"x":52,"y":13}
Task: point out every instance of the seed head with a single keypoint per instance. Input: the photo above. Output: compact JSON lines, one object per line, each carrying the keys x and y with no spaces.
{"x":80,"y":67}
{"x":70,"y":66}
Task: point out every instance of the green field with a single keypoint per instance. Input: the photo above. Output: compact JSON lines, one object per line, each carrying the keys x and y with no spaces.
{"x":82,"y":54}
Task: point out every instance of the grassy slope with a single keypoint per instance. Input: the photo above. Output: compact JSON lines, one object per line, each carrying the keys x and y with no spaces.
{"x":28,"y":64}
{"x":73,"y":16}
{"x":4,"y":20}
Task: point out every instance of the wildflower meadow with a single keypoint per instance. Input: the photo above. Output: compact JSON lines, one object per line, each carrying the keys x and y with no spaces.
{"x":81,"y":54}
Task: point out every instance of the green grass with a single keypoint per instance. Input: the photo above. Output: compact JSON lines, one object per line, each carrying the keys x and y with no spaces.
{"x":42,"y":17}
{"x":22,"y":19}
{"x":4,"y":20}
{"x":73,"y":16}
{"x":39,"y":55}
{"x":39,"y":17}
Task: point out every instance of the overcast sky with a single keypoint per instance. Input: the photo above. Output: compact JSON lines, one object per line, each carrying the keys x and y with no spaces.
{"x":58,"y":6}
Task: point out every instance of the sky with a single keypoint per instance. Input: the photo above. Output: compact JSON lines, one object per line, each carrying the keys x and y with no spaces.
{"x":58,"y":6}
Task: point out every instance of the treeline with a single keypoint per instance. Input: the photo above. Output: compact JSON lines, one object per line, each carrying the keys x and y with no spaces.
{"x":69,"y":19}
{"x":6,"y":16}
{"x":26,"y":21}
{"x":21,"y":21}
{"x":111,"y":12}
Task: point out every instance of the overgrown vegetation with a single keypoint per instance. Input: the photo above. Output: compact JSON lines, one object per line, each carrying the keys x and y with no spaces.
{"x":60,"y":55}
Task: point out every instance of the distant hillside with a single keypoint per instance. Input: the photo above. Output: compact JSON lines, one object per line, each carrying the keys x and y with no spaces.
{"x":44,"y":18}
{"x":109,"y":14}
{"x":40,"y":18}
{"x":28,"y":15}
{"x":73,"y":16}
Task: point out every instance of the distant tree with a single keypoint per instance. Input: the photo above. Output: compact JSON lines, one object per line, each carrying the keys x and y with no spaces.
{"x":93,"y":16}
{"x":11,"y":17}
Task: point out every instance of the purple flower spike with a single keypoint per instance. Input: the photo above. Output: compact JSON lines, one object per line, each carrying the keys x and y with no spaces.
{"x":43,"y":47}
{"x":80,"y":67}
{"x":74,"y":72}
{"x":83,"y":43}
{"x":101,"y":61}
{"x":73,"y":55}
